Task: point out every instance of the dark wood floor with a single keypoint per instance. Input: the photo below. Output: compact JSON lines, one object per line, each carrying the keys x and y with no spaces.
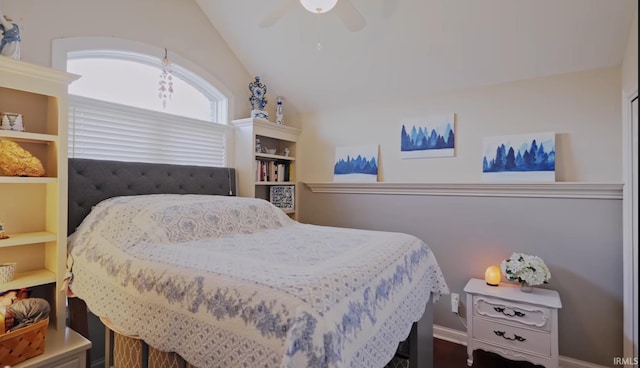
{"x":451,"y":355}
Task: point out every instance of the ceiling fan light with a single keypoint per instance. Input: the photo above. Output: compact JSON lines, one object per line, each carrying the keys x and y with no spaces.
{"x":318,"y":6}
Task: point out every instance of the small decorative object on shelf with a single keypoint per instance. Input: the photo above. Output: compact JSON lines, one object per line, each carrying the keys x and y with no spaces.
{"x":279,"y":112}
{"x":11,"y":121}
{"x":16,"y":161}
{"x":9,"y":37}
{"x":3,"y":235}
{"x":7,"y":271}
{"x":257,"y":100}
{"x":258,"y":145}
{"x":271,"y":151}
{"x":282,"y":196}
{"x":528,"y":270}
{"x":285,"y":152}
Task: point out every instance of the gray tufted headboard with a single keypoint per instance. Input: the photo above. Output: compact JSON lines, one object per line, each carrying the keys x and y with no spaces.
{"x":91,"y":181}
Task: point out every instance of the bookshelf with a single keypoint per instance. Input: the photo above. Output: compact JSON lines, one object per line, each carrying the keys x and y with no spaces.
{"x":34,"y":209}
{"x":260,"y":171}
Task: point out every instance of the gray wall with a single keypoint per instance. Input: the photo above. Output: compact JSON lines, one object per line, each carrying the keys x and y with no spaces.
{"x":579,"y":239}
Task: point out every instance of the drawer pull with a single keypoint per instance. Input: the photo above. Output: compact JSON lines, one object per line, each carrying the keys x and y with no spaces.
{"x":514,"y":314}
{"x":514,"y":338}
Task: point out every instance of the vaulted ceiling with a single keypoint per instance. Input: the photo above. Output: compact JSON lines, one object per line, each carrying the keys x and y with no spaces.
{"x":413,"y":48}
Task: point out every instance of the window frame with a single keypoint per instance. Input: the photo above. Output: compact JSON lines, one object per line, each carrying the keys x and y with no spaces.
{"x":218,"y":100}
{"x":105,"y":47}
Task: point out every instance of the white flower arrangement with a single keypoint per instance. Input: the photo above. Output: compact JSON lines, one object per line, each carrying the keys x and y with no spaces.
{"x":525,"y":269}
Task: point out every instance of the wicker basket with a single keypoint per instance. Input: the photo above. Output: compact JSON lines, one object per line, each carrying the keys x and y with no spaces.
{"x":23,"y":343}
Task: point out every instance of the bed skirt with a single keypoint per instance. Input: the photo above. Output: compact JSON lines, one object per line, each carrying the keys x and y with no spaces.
{"x":131,"y":352}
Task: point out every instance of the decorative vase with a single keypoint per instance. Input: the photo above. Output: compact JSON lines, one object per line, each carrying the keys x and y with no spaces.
{"x":257,"y":100}
{"x":526,"y":288}
{"x":10,"y":37}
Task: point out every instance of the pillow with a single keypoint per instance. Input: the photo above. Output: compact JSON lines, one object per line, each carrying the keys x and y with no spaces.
{"x":177,"y":218}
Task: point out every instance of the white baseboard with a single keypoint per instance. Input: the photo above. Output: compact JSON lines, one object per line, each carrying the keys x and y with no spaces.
{"x":449,"y":334}
{"x":460,"y":337}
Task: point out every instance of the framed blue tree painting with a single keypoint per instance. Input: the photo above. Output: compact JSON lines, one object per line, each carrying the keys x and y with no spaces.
{"x":429,"y":137}
{"x":356,"y":164}
{"x":521,"y":158}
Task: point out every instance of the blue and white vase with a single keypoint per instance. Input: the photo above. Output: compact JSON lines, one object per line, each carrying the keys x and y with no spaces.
{"x":257,"y":100}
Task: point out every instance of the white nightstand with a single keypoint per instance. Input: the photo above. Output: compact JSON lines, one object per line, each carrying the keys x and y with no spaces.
{"x":517,"y":325}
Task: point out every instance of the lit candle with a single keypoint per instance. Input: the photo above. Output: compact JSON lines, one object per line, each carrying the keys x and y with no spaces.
{"x":492,"y":275}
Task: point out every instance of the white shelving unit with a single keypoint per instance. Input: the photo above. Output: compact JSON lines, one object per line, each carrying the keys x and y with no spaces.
{"x":247,"y":159}
{"x":34,"y":209}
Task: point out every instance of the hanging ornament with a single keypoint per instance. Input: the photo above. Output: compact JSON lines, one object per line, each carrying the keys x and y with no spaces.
{"x":165,"y":90}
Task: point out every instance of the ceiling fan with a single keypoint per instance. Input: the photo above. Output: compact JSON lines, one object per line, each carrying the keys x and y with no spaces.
{"x":344,"y":9}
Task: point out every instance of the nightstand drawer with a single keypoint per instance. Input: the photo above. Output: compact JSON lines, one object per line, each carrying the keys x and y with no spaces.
{"x":532,"y":316}
{"x":512,"y":337}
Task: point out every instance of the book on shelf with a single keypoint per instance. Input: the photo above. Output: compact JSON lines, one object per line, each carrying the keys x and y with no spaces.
{"x":272,"y":171}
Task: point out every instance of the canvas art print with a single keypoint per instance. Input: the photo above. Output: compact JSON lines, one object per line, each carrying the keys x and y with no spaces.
{"x":356,"y":164}
{"x":430,"y":137}
{"x":527,"y":157}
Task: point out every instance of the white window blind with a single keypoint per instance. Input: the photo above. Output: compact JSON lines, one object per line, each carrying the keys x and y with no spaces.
{"x":109,"y":131}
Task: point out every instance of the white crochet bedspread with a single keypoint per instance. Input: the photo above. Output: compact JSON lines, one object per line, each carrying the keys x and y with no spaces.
{"x":234,"y":282}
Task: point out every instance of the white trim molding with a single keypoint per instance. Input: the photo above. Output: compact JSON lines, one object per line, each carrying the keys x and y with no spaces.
{"x":630,"y":222}
{"x":529,"y":190}
{"x":460,"y":338}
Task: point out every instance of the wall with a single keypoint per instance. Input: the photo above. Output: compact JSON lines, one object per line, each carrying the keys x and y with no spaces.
{"x":582,"y":108}
{"x":580,"y":239}
{"x":630,"y":61}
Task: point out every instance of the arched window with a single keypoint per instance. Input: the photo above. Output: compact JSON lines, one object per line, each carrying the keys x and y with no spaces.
{"x":117,"y":112}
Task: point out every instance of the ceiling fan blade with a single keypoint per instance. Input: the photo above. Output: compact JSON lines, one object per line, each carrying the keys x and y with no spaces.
{"x":278,"y":13}
{"x":349,"y":15}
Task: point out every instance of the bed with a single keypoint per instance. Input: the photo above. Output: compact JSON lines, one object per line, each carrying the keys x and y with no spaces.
{"x":169,"y":254}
